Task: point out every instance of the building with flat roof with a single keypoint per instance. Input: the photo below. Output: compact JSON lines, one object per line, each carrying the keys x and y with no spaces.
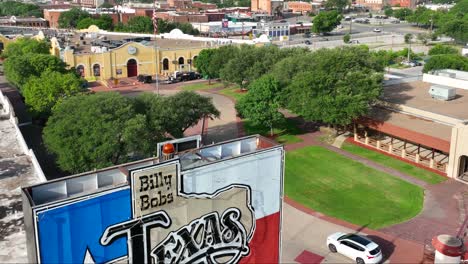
{"x":102,"y":55}
{"x":23,"y":21}
{"x":270,"y":7}
{"x":414,"y":125}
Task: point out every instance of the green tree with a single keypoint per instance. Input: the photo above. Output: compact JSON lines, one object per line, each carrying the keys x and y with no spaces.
{"x":186,"y":109}
{"x":424,"y":38}
{"x":140,"y":24}
{"x":341,"y":86}
{"x":19,"y":69}
{"x":203,"y":64}
{"x":157,"y":113}
{"x":446,"y":61}
{"x":70,"y":18}
{"x":456,"y":28}
{"x":106,"y":5}
{"x":103,"y":22}
{"x":85,"y":23}
{"x":221,"y":57}
{"x":237,"y":69}
{"x":326,"y":21}
{"x":346,"y":38}
{"x":26,"y":46}
{"x":13,"y":8}
{"x":388,"y":11}
{"x":339,"y":5}
{"x":402,"y":13}
{"x":94,"y":131}
{"x":262,"y":105}
{"x":443,"y":49}
{"x":42,"y":93}
{"x":251,"y":62}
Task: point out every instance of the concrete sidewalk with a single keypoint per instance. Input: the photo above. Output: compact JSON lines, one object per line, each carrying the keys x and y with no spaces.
{"x":305,"y":229}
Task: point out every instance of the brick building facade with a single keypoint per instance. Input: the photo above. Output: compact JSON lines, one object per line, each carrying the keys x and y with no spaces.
{"x":299,"y":7}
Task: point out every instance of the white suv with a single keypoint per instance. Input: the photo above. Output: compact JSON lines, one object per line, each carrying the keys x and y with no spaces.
{"x":356,"y":247}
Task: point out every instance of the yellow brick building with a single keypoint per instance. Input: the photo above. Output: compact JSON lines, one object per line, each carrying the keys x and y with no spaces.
{"x":134,"y":58}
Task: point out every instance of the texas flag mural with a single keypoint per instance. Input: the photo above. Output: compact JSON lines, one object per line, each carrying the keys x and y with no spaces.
{"x":185,"y":210}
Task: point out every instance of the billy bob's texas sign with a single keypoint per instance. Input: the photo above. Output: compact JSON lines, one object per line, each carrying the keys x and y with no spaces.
{"x":193,"y":209}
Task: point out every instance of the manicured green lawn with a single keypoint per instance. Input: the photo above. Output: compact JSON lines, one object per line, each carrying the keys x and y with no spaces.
{"x":342,"y":188}
{"x":201,"y":86}
{"x":233,"y":92}
{"x":286,"y":133}
{"x":411,"y":170}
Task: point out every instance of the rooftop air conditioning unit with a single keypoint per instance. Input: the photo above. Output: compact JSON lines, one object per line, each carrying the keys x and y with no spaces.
{"x":442,"y":92}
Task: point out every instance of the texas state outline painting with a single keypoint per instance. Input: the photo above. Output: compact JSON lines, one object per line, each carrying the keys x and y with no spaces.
{"x":156,"y":220}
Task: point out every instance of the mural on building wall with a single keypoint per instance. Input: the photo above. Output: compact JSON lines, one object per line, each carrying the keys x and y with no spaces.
{"x":167,"y":215}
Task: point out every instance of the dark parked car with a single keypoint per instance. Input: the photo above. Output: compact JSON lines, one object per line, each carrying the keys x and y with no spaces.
{"x":187,"y":76}
{"x":145,"y":78}
{"x":307,"y":42}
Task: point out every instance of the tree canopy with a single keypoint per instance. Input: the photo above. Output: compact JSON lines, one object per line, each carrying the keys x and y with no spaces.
{"x":104,"y":129}
{"x":340,"y":5}
{"x":186,"y":109}
{"x":262,"y":105}
{"x":446,"y":61}
{"x":326,"y":21}
{"x":338,"y":88}
{"x":141,"y":24}
{"x":42,"y":93}
{"x":18,"y":69}
{"x":103,"y":22}
{"x":402,"y":13}
{"x":26,"y":46}
{"x":204,"y":63}
{"x":93,"y":131}
{"x":71,"y":18}
{"x":443,"y":49}
{"x":14,"y":8}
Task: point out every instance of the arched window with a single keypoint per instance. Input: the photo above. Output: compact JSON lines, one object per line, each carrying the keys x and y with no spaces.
{"x":165,"y":64}
{"x":97,"y":70}
{"x":181,"y":60}
{"x":80,"y":70}
{"x":194,"y":60}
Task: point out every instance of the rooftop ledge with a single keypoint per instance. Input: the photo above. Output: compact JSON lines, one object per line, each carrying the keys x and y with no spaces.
{"x":84,"y":184}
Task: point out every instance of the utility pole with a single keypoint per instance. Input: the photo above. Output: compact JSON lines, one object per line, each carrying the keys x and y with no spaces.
{"x":155,"y":26}
{"x":242,"y":29}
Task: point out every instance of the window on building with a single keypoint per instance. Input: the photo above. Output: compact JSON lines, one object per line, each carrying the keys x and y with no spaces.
{"x":181,"y":60}
{"x":97,"y":70}
{"x":165,"y":64}
{"x":80,"y":70}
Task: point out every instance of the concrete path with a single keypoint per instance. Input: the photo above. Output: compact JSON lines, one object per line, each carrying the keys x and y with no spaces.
{"x":304,"y":229}
{"x":339,"y":140}
{"x":444,"y":204}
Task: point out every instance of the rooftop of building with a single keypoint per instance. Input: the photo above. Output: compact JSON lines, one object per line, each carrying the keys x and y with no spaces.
{"x":118,"y":175}
{"x":416,"y":95}
{"x":16,"y":170}
{"x":21,"y":19}
{"x":415,"y":129}
{"x":116,"y":41}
